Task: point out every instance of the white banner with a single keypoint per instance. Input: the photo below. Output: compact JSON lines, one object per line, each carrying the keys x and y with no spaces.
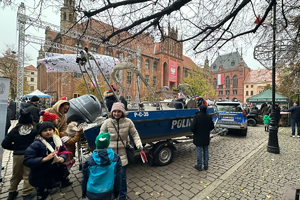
{"x":56,"y":62}
{"x":4,"y":89}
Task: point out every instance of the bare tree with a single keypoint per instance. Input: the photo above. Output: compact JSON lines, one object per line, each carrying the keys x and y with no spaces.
{"x":207,"y":25}
{"x":8,"y":68}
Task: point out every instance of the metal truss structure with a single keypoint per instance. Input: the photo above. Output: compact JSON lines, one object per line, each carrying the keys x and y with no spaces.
{"x":23,"y":19}
{"x":286,"y":51}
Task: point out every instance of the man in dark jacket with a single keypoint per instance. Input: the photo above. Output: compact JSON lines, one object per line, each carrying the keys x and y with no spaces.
{"x":201,"y":126}
{"x":295,"y":118}
{"x":31,"y":107}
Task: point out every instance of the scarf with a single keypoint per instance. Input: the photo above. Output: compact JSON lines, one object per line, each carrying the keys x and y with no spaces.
{"x":58,"y":143}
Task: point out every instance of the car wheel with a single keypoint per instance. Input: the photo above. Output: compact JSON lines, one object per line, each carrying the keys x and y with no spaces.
{"x":251,"y":122}
{"x":244,"y":132}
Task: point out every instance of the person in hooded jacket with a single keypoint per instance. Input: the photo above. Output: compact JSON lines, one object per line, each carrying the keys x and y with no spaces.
{"x":102,"y":170}
{"x":60,"y":108}
{"x":110,"y":98}
{"x":201,"y":126}
{"x":17,"y":140}
{"x":32,"y":107}
{"x":45,"y":157}
{"x":180,"y":102}
{"x":119,"y":126}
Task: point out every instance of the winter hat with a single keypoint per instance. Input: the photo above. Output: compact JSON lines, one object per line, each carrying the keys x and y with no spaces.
{"x":112,"y":88}
{"x":64,"y":98}
{"x":42,"y":126}
{"x":34,"y":98}
{"x":25,"y":118}
{"x":48,"y":116}
{"x":118,"y":106}
{"x":102,"y":141}
{"x":72,"y":129}
{"x":181,"y":96}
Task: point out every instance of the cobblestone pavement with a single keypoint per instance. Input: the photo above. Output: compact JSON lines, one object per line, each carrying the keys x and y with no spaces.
{"x":239,"y":168}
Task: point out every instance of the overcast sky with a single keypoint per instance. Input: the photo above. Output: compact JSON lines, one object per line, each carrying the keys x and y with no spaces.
{"x":9,"y":36}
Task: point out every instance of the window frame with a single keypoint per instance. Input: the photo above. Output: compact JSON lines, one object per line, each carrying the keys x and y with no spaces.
{"x":128,"y":78}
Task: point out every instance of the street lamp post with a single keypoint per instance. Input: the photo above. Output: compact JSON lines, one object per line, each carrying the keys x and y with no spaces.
{"x":273,"y":146}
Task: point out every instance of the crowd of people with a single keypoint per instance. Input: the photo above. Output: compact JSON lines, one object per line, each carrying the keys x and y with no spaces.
{"x":43,"y":146}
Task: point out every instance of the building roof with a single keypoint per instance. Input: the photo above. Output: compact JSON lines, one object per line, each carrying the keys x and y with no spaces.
{"x":187,"y":62}
{"x":259,"y":76}
{"x":31,"y":67}
{"x":228,"y":61}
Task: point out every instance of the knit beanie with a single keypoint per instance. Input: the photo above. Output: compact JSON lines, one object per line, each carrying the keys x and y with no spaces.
{"x":25,"y":118}
{"x":102,"y":141}
{"x":42,"y":126}
{"x":48,"y":116}
{"x":112,"y":88}
{"x":34,"y":98}
{"x":118,"y":106}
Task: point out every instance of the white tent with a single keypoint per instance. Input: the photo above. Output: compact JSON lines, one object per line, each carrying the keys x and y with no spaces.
{"x":37,"y":93}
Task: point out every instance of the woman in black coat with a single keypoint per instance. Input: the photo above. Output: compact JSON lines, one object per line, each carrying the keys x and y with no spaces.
{"x":201,"y":126}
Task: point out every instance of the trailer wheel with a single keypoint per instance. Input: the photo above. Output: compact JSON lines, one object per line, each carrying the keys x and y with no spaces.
{"x":164,"y":155}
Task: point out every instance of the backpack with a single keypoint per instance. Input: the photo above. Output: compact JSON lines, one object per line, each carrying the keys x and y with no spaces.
{"x":101,"y":178}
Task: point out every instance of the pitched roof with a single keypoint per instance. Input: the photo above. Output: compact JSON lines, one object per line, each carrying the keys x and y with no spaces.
{"x":31,"y":67}
{"x":187,"y":62}
{"x":259,"y":76}
{"x":228,"y":61}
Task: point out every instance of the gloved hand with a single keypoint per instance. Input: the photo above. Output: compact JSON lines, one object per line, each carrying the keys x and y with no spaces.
{"x":140,"y":147}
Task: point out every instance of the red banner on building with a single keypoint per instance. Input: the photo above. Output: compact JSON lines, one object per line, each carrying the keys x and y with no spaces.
{"x":172,"y":71}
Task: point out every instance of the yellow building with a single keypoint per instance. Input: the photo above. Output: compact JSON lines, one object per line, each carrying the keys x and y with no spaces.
{"x":256,"y":81}
{"x":30,"y":75}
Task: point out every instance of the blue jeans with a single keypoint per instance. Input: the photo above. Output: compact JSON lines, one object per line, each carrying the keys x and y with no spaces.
{"x":202,"y":150}
{"x":294,"y":121}
{"x":123,"y":188}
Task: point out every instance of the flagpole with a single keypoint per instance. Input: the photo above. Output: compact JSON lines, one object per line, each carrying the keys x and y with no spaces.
{"x":273,"y":146}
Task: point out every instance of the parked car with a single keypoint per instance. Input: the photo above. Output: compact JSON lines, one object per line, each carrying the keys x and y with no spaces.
{"x":232,"y":116}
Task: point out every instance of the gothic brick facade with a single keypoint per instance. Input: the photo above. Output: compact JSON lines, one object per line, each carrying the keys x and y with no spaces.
{"x":235,"y":71}
{"x":154,"y":58}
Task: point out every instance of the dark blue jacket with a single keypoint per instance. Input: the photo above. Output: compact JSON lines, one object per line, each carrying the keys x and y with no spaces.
{"x":43,"y":174}
{"x":34,"y":111}
{"x":110,"y":100}
{"x":295,"y":112}
{"x":101,"y":157}
{"x":178,"y":104}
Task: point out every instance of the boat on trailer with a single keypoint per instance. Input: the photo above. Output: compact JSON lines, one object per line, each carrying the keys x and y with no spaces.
{"x":161,"y":127}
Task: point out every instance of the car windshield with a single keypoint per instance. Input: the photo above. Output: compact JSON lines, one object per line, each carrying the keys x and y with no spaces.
{"x":229,"y":108}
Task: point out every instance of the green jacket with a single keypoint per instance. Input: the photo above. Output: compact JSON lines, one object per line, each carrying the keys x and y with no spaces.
{"x":267,"y":119}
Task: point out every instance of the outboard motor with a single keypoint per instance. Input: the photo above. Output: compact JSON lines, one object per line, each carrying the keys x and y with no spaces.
{"x":85,"y":108}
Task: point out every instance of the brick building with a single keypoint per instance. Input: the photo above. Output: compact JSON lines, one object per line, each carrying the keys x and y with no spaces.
{"x":228,"y":73}
{"x":256,"y":81}
{"x":154,"y":61}
{"x":30,"y":75}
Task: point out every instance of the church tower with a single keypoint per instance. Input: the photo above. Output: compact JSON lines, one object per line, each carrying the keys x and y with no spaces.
{"x":67,"y":14}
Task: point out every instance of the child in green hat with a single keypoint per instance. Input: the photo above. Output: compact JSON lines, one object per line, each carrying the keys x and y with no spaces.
{"x":101,"y":171}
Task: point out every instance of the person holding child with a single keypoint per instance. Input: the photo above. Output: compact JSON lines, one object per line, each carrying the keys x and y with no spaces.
{"x":102,"y":172}
{"x":18,"y":139}
{"x":118,"y":125}
{"x":45,"y":158}
{"x":267,"y":120}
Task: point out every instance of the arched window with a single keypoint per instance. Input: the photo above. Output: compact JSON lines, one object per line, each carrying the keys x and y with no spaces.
{"x":235,"y":81}
{"x":227,"y":82}
{"x":215,"y":83}
{"x":65,"y":16}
